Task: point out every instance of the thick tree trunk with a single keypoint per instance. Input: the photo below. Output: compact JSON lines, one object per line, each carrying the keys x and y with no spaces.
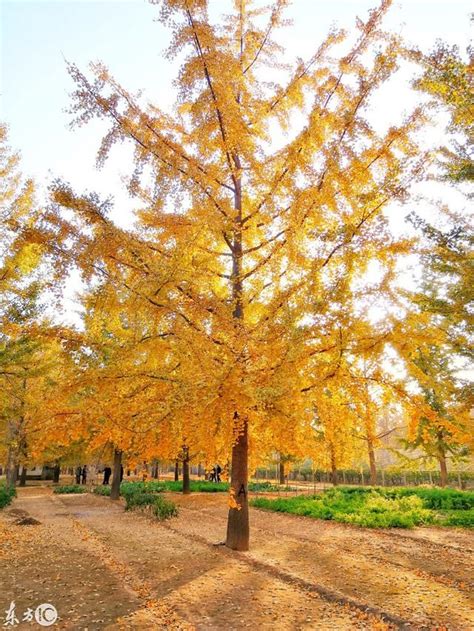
{"x":23,"y":476}
{"x":115,"y":488}
{"x":186,"y":480}
{"x":282,"y":472}
{"x":373,"y":466}
{"x":238,"y":520}
{"x":176,"y":471}
{"x":443,"y":470}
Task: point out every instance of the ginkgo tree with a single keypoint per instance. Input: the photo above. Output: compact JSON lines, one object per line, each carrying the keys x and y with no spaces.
{"x":19,"y":307}
{"x":262,"y":197}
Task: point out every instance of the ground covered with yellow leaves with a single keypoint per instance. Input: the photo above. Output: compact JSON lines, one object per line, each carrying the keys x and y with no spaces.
{"x":103,"y":568}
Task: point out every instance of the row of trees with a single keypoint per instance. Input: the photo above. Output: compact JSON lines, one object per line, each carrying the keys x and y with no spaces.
{"x":235,"y":319}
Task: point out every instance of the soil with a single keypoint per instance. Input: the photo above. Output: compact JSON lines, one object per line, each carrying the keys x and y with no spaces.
{"x":104,"y":568}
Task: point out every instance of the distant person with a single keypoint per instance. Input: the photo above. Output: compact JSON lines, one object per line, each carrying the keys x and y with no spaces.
{"x":213,"y":475}
{"x":78,"y":474}
{"x":218,"y":473}
{"x":84,"y":474}
{"x":107,"y":474}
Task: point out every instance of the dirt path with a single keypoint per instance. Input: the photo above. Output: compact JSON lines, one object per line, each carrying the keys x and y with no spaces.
{"x":103,"y":568}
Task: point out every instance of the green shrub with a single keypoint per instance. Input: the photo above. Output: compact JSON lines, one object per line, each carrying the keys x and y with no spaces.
{"x":6,"y":495}
{"x":463,"y":518}
{"x":444,"y":499}
{"x":147,"y":496}
{"x":102,"y":490}
{"x":163,"y":508}
{"x":70,"y":488}
{"x":137,"y":500}
{"x":378,"y":508}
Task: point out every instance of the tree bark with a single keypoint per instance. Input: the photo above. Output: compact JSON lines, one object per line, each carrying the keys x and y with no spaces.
{"x":57,"y":473}
{"x":23,"y":476}
{"x":443,"y":470}
{"x":373,"y":466}
{"x":115,"y":489}
{"x":176,"y":471}
{"x":238,"y":520}
{"x":282,"y":472}
{"x":186,"y":480}
{"x":334,"y":476}
{"x":12,"y":469}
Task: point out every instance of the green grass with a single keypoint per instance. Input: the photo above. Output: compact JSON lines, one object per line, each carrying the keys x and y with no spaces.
{"x":269,"y":487}
{"x":6,"y":495}
{"x":197,"y":486}
{"x":380,"y":507}
{"x":70,"y":488}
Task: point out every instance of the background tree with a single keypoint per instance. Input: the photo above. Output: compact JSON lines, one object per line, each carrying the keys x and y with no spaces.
{"x":449,"y":79}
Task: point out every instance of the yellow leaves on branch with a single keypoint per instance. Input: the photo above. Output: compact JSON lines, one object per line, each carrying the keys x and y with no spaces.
{"x":243,"y":288}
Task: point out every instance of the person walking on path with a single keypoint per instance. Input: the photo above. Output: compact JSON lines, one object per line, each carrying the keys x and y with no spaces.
{"x":84,"y":474}
{"x":78,"y":474}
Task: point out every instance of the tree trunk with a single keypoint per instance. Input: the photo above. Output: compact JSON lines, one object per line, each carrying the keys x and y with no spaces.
{"x":373,"y":466}
{"x":57,"y":473}
{"x":443,"y":470}
{"x":115,"y":489}
{"x":334,"y":477}
{"x":12,"y":469}
{"x":23,"y":476}
{"x":282,"y":472}
{"x":186,"y":481}
{"x":238,"y":520}
{"x":176,"y":471}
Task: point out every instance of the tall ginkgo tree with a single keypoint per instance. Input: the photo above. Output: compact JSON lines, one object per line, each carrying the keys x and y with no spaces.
{"x":262,"y":195}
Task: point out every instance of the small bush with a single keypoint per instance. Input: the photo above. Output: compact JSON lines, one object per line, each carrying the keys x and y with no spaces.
{"x":147,"y":496}
{"x":102,"y":490}
{"x":461,"y":518}
{"x":6,"y":495}
{"x":163,"y":508}
{"x":70,"y":488}
{"x":137,"y":500}
{"x":444,"y":499}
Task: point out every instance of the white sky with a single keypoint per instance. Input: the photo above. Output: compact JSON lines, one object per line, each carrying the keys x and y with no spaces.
{"x":36,"y":36}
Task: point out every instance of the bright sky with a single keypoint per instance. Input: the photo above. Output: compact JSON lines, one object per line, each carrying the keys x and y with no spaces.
{"x":37,"y":36}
